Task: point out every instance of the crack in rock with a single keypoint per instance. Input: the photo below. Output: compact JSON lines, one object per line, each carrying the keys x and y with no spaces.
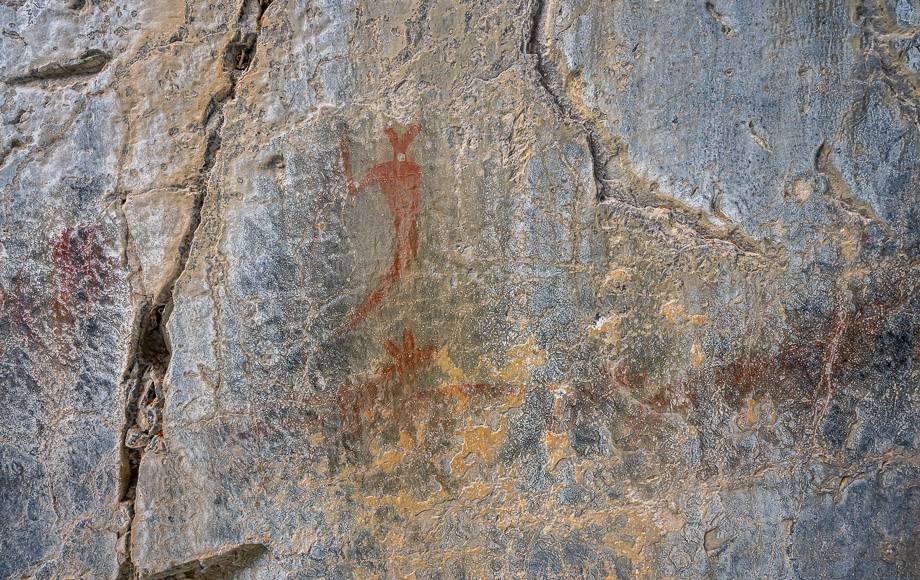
{"x":150,"y":358}
{"x":549,"y":80}
{"x":87,"y":64}
{"x":603,"y":157}
{"x":217,"y":566}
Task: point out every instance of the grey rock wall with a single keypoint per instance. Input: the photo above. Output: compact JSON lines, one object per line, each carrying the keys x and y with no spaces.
{"x":459,"y":288}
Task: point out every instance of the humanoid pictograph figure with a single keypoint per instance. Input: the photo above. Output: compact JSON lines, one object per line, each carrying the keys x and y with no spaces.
{"x":400,"y":180}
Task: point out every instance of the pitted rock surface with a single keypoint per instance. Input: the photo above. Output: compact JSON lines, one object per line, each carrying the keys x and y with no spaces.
{"x":460,"y":288}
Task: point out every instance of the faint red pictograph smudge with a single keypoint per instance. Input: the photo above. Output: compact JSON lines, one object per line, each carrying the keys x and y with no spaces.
{"x":16,"y":307}
{"x":396,"y":396}
{"x":80,"y":269}
{"x":400,"y":180}
{"x":391,"y":385}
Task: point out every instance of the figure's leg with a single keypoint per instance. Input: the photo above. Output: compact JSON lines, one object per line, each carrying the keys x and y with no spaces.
{"x":405,"y":241}
{"x":346,"y":168}
{"x":383,"y":286}
{"x":412,"y":242}
{"x":373,"y":299}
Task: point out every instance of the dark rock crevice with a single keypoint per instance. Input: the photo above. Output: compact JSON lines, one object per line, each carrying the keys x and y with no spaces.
{"x":215,"y":567}
{"x":549,"y":79}
{"x":839,"y":191}
{"x":720,"y":19}
{"x":144,"y":374}
{"x":89,"y":63}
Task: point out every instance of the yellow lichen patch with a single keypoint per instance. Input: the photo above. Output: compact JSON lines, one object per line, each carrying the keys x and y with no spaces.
{"x":746,"y":419}
{"x":404,"y":504}
{"x":405,"y":440}
{"x":673,"y":311}
{"x":757,"y":413}
{"x":405,"y":559}
{"x":801,"y":190}
{"x":697,"y":355}
{"x":457,"y":393}
{"x":644,"y":527}
{"x":632,"y":525}
{"x":480,"y":440}
{"x":514,"y":399}
{"x":616,"y":277}
{"x":476,"y":491}
{"x":390,"y":458}
{"x":608,"y":328}
{"x":558,"y":448}
{"x":447,"y":366}
{"x":698,"y":319}
{"x":323,"y":467}
{"x":522,"y":360}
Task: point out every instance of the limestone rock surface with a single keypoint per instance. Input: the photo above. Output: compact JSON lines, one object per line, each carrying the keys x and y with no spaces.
{"x":459,"y":289}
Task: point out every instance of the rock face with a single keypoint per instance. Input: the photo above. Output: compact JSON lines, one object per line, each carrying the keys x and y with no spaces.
{"x":456,"y":288}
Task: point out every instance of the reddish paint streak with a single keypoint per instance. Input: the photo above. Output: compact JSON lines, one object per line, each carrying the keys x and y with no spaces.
{"x":80,"y":268}
{"x":417,"y":403}
{"x":16,"y":307}
{"x":624,"y":377}
{"x":828,"y":360}
{"x":400,"y":180}
{"x":391,"y":385}
{"x":392,"y":394}
{"x":843,"y":344}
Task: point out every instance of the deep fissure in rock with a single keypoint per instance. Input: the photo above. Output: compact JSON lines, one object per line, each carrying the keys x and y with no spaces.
{"x":143,"y":377}
{"x":87,"y":64}
{"x":216,"y":567}
{"x":552,"y":84}
{"x":602,"y":155}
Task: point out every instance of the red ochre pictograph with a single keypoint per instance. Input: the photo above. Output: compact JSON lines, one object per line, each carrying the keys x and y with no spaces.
{"x":80,"y":269}
{"x":392,"y":387}
{"x":400,"y":180}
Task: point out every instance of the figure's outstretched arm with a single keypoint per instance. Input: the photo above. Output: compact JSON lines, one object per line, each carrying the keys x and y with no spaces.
{"x":353,"y":188}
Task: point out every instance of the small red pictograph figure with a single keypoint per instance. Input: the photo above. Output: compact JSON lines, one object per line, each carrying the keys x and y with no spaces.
{"x":80,"y":269}
{"x":400,"y":180}
{"x":390,"y":390}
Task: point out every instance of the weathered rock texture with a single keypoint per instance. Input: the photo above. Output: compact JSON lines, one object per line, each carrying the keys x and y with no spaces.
{"x":460,"y":288}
